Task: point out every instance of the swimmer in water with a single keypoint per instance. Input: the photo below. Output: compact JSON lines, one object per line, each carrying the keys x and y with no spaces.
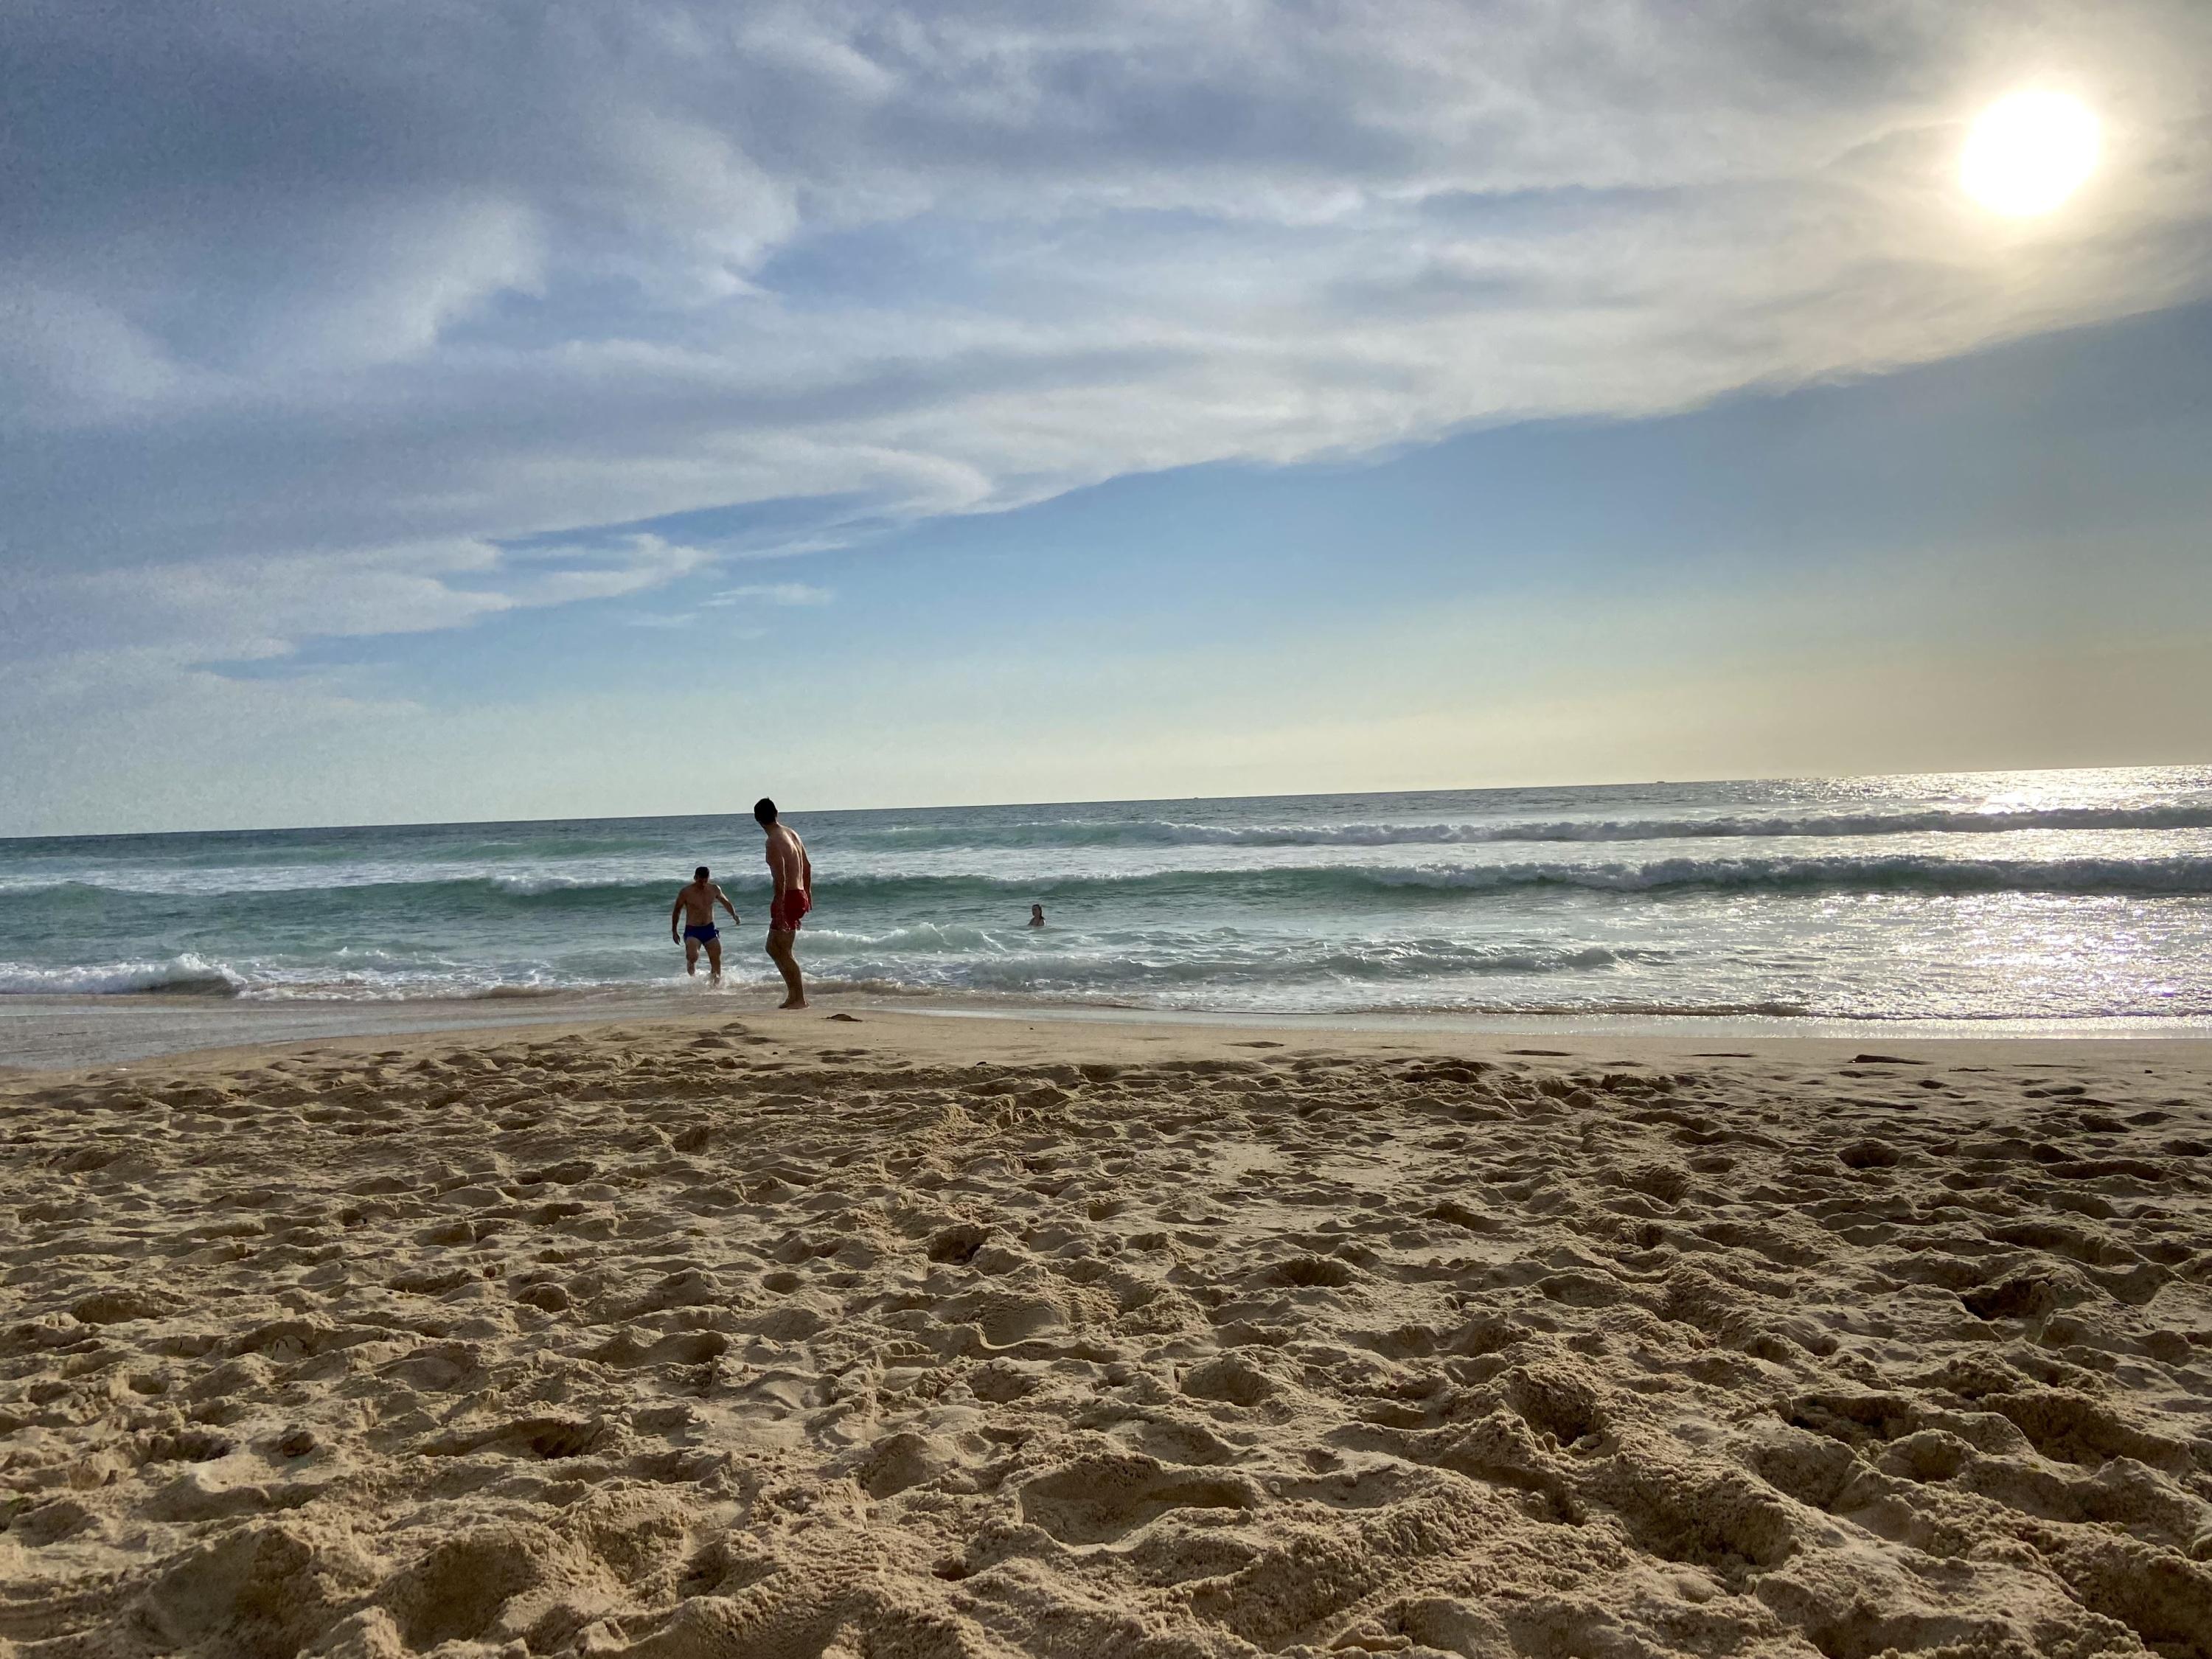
{"x":696,"y":904}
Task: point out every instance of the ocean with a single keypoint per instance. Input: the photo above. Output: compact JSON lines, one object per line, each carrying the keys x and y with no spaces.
{"x":2043,"y":895}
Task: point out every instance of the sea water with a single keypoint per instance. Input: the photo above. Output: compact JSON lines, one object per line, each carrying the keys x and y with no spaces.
{"x":2047,"y":895}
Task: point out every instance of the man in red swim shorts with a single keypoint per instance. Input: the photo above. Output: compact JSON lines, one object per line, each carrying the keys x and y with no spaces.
{"x":794,"y":874}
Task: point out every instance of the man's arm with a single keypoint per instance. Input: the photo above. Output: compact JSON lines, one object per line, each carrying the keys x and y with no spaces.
{"x":807,"y":872}
{"x":735,"y":918}
{"x":674,"y":911}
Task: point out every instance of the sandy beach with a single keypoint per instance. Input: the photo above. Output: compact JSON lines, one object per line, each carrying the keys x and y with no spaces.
{"x":895,"y":1336}
{"x":993,"y":829}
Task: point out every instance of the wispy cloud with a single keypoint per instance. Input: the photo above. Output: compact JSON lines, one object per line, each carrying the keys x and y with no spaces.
{"x":773,"y":594}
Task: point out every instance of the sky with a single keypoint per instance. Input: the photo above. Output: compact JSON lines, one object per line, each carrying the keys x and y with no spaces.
{"x":433,"y":411}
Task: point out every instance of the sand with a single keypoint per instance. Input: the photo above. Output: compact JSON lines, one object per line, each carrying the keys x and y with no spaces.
{"x":898,"y":1337}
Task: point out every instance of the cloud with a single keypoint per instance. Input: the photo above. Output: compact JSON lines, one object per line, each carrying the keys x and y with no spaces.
{"x":773,"y":594}
{"x":343,"y":320}
{"x":249,"y":608}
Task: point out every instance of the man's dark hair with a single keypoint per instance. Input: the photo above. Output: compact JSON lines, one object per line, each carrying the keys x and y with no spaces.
{"x":699,"y":874}
{"x":764,"y":810}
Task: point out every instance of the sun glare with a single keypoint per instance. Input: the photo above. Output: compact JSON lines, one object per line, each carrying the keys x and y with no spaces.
{"x":2027,"y":153}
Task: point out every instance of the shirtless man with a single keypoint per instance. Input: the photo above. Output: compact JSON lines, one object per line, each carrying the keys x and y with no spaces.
{"x":696,"y":904}
{"x":795,"y":896}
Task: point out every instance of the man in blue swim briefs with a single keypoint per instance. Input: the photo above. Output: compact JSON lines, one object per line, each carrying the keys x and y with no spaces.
{"x":696,"y":904}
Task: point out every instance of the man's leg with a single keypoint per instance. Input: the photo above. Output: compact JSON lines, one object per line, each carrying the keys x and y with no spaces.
{"x":779,"y":950}
{"x":715,"y":960}
{"x":690,"y":954}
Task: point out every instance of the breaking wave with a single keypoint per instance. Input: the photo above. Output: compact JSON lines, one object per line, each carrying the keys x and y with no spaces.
{"x":184,"y":975}
{"x":1168,"y":832}
{"x":474,"y":895}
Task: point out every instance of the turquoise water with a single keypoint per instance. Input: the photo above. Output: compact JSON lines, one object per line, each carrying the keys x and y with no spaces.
{"x":2046,"y":896}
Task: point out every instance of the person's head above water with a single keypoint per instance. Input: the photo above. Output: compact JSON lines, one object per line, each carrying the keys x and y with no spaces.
{"x":1037,"y":909}
{"x":764,"y":812}
{"x":699,"y":874}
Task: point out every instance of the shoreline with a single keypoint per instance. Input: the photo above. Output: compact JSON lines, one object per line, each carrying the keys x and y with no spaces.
{"x":43,"y":1035}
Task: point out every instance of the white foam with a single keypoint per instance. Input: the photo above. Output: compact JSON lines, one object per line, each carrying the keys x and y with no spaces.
{"x":184,"y":973}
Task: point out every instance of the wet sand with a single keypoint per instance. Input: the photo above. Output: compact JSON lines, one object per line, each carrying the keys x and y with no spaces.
{"x":45,"y":1034}
{"x":900,"y":1336}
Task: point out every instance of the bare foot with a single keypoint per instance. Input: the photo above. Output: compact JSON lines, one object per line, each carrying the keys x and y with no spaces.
{"x":792,"y":1002}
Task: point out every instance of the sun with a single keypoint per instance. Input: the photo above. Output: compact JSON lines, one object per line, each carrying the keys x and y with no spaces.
{"x":2027,"y":153}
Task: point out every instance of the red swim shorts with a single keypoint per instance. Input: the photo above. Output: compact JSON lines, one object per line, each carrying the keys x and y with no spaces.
{"x":785,"y":914}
